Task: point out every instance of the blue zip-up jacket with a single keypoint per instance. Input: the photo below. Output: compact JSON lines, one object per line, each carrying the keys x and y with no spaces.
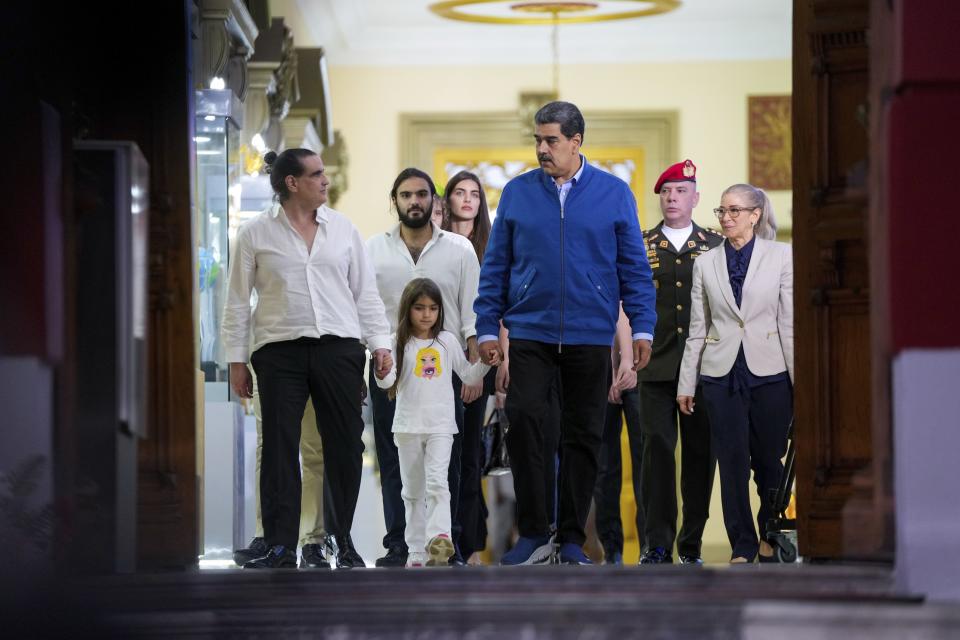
{"x":557,"y":276}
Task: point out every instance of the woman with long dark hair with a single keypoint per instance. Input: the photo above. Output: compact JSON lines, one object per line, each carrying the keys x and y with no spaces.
{"x":466,"y":210}
{"x":466,"y":214}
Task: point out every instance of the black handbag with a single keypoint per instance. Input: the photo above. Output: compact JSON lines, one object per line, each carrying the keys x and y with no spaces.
{"x":493,"y":438}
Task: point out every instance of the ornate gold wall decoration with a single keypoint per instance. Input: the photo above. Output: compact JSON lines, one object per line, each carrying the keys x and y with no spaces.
{"x":336,"y":162}
{"x":530,"y":102}
{"x":769,"y":143}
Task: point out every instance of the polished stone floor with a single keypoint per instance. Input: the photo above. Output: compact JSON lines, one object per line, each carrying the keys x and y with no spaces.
{"x":599,"y":603}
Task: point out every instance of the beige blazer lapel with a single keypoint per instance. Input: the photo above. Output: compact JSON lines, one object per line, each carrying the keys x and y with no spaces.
{"x":723,"y":278}
{"x":759,"y":250}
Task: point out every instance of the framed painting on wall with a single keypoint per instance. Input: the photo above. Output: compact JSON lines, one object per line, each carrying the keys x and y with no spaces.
{"x":770,"y":142}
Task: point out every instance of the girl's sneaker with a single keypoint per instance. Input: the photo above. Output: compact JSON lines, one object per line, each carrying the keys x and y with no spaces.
{"x":416,"y":559}
{"x":440,"y":548}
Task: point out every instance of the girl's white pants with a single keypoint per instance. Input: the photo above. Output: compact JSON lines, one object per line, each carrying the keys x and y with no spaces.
{"x":424,"y":460}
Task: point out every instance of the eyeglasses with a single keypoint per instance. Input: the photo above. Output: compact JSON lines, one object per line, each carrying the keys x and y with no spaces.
{"x":733,"y":211}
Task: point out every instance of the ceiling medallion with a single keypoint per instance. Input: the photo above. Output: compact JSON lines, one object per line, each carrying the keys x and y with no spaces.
{"x":553,"y":12}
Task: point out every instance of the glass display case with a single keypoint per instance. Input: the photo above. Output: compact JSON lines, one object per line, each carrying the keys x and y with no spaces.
{"x":218,"y":171}
{"x":218,"y":174}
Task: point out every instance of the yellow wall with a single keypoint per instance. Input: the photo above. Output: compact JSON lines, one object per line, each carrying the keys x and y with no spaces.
{"x":709,"y":97}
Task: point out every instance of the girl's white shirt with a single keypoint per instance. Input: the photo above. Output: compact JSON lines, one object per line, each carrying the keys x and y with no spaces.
{"x":425,"y":401}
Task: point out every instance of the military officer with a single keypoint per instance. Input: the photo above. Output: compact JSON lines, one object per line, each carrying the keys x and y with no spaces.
{"x":672,"y":247}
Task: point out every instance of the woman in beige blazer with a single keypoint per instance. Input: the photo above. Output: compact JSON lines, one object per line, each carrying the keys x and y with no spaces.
{"x":740,"y":348}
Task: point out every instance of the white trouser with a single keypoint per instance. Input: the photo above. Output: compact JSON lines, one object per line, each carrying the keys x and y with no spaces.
{"x":424,"y":460}
{"x":311,"y":473}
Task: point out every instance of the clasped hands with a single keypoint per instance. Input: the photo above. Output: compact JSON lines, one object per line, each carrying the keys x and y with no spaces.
{"x":382,"y":362}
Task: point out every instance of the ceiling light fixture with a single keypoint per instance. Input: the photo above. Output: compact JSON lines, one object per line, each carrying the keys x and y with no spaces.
{"x":549,"y":12}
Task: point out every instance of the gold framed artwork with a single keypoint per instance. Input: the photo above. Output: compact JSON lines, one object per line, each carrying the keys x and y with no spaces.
{"x":495,"y":166}
{"x":770,"y":142}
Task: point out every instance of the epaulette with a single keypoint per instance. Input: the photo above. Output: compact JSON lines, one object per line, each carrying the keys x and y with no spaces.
{"x":653,"y":237}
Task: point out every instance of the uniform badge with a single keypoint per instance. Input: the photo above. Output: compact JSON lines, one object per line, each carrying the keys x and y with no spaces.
{"x":691,"y":244}
{"x":663,"y":244}
{"x":704,"y":247}
{"x":688,"y":169}
{"x":702,"y":237}
{"x":656,"y":284}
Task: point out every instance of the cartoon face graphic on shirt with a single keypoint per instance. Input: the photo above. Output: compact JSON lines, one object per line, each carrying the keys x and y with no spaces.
{"x":428,"y":363}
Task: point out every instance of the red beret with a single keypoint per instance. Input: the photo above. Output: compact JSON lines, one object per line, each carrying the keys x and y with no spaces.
{"x":684,"y":171}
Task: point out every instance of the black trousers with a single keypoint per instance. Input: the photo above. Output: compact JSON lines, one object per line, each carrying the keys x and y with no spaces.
{"x":330,"y":371}
{"x":660,"y":415}
{"x":389,"y":462}
{"x":551,"y":449}
{"x":749,"y":431}
{"x":606,"y":495}
{"x":584,"y":371}
{"x":470,"y":526}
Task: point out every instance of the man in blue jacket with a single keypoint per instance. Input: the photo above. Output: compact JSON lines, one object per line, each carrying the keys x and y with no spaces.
{"x":565,"y":249}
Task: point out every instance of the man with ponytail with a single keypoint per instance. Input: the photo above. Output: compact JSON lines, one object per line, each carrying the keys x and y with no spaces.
{"x":317,"y":305}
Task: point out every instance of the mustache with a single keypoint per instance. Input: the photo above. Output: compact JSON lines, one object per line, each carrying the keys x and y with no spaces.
{"x":541,"y":158}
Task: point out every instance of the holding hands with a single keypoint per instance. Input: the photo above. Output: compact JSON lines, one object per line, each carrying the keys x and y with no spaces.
{"x":383,"y":362}
{"x":490,"y":353}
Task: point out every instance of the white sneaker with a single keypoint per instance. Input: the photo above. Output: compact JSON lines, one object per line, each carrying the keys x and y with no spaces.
{"x":440,"y":548}
{"x":416,"y":559}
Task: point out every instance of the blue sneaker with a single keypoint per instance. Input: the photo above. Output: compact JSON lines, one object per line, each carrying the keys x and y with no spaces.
{"x":573,"y":554}
{"x":537,"y":550}
{"x":658,"y":555}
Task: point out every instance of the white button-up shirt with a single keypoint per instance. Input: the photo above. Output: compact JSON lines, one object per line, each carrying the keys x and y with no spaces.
{"x":330,"y":290}
{"x":448,"y":259}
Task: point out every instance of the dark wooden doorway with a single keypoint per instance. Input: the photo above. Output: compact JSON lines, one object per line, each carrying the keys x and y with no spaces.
{"x":842,"y":510}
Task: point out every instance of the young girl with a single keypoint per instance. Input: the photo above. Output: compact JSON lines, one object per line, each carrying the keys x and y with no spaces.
{"x":424,"y":425}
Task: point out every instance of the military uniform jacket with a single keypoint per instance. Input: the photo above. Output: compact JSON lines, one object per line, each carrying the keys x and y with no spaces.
{"x":672,"y":276}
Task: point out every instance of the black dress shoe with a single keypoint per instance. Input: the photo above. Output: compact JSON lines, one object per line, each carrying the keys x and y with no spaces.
{"x":257,"y":549}
{"x":311,"y":557}
{"x":657,"y":555}
{"x":456,"y":560}
{"x":278,"y":557}
{"x":694,"y":560}
{"x":396,"y":557}
{"x":347,"y":556}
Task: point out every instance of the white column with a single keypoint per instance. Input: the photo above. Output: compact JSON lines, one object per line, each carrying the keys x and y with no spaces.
{"x":926,"y":455}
